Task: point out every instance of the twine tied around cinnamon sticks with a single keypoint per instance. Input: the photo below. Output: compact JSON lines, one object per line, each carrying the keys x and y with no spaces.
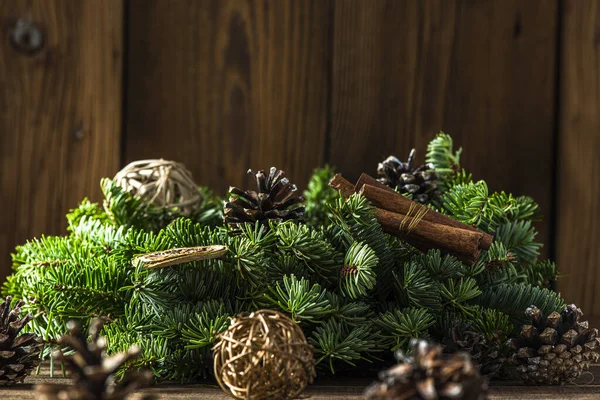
{"x":419,"y":226}
{"x":415,"y":214}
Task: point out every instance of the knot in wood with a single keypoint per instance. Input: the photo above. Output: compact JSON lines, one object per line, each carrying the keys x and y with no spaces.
{"x":26,"y":37}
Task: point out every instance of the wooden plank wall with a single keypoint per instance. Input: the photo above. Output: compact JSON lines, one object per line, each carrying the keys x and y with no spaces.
{"x":226,"y":85}
{"x":578,"y":208}
{"x":60,"y":113}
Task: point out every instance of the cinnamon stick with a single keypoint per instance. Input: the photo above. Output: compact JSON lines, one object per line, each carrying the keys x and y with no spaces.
{"x":342,"y":184}
{"x":365,"y":179}
{"x":379,"y":195}
{"x":460,"y":242}
{"x":433,"y":230}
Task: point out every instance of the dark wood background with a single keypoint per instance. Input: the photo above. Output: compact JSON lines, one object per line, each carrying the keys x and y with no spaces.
{"x":224,"y":85}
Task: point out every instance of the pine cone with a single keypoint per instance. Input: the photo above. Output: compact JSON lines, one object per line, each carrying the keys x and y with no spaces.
{"x":91,"y":370}
{"x":555,"y":349}
{"x":277,"y":199}
{"x":486,"y":356}
{"x":428,"y":374}
{"x":420,"y":182}
{"x":19,"y":354}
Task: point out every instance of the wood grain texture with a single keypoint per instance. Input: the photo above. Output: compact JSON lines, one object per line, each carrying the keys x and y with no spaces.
{"x":482,"y":71}
{"x":60,"y":114}
{"x":578,"y":211}
{"x":224,"y":86}
{"x":341,"y":388}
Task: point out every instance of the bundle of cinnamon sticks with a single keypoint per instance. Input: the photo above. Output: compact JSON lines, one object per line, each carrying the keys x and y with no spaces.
{"x":421,"y":227}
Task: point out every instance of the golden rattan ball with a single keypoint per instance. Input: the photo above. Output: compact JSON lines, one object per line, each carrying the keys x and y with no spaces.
{"x":166,"y":184}
{"x":263,"y":355}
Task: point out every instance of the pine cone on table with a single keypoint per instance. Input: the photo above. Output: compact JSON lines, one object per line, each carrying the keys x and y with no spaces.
{"x":555,"y":349}
{"x":92,"y":370}
{"x":277,"y":199}
{"x":429,"y":374}
{"x":486,"y":356}
{"x":420,"y":182}
{"x":19,"y":354}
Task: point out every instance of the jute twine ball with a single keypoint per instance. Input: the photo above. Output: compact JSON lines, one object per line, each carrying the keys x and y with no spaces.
{"x":166,"y":184}
{"x":263,"y":355}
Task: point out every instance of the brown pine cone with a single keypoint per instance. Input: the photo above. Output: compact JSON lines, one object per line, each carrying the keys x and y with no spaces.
{"x":92,"y":370}
{"x":420,"y":182}
{"x":555,"y":349}
{"x":486,"y":356}
{"x":19,"y":354}
{"x":277,"y":199}
{"x":429,"y":374}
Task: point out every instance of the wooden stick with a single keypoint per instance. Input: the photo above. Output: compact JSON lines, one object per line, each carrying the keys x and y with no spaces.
{"x":460,"y":242}
{"x":382,"y":198}
{"x":342,"y":184}
{"x":166,"y":258}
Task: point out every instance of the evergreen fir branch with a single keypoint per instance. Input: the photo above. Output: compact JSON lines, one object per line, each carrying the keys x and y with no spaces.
{"x":299,"y":299}
{"x":352,"y":312}
{"x":400,"y":326}
{"x":88,"y":210}
{"x":192,"y":285}
{"x":446,"y":161}
{"x":319,"y":196}
{"x":286,"y":264}
{"x":495,"y":325}
{"x":249,"y":261}
{"x":415,"y":287}
{"x":127,"y":210}
{"x":472,"y":204}
{"x":456,"y":293}
{"x":311,"y":248}
{"x":496,"y":267}
{"x":541,"y":273}
{"x":438,"y":266}
{"x":259,"y":235}
{"x":401,"y":251}
{"x":139,"y":242}
{"x":468,"y":204}
{"x":170,"y":324}
{"x":525,"y":209}
{"x":519,"y":238}
{"x":48,"y":251}
{"x":183,"y":232}
{"x":210,"y":210}
{"x":461,"y":177}
{"x":496,"y":257}
{"x":93,"y":288}
{"x":357,"y":222}
{"x":513,"y":300}
{"x":146,"y":288}
{"x":334,"y":234}
{"x":205,"y":330}
{"x":202,"y":329}
{"x":186,"y":365}
{"x":357,"y":275}
{"x":336,"y":340}
{"x":473,"y":270}
{"x":95,"y":231}
{"x":500,"y":276}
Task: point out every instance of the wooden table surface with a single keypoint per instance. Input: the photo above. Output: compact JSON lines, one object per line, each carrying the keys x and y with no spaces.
{"x":342,"y":389}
